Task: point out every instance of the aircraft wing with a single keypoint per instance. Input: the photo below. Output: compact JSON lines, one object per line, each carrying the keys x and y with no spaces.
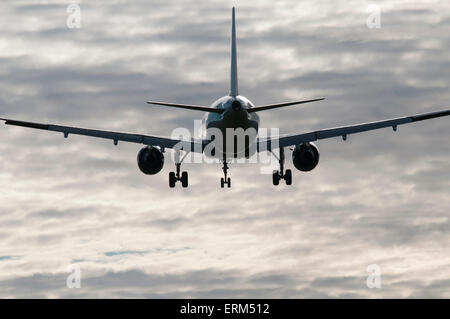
{"x":163,"y":142}
{"x":343,"y":131}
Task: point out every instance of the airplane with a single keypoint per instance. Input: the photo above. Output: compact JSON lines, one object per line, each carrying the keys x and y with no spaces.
{"x":233,"y":111}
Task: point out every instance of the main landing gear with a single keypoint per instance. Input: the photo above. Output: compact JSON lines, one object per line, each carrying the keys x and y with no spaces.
{"x":225,"y":180}
{"x":277,"y":175}
{"x":176,"y":176}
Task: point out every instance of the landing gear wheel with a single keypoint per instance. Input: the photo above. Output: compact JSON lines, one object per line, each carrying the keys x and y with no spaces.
{"x":172,"y":179}
{"x":288,"y":177}
{"x":229,"y":182}
{"x":275,"y":178}
{"x":222,"y":182}
{"x":184,"y":179}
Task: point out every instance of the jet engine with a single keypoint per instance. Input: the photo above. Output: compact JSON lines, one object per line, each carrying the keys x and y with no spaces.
{"x":150,"y":160}
{"x":305,"y":157}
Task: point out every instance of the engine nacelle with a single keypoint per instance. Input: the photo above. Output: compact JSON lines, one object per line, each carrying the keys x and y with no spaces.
{"x":150,"y":160}
{"x":305,"y":157}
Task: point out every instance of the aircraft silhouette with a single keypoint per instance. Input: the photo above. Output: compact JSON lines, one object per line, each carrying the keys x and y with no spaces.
{"x":232,"y":112}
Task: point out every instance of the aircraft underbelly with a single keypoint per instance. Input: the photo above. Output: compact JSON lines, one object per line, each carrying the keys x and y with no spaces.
{"x":238,"y":142}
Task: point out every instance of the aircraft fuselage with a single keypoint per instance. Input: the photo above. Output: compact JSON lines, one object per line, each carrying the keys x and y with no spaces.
{"x":234,"y":118}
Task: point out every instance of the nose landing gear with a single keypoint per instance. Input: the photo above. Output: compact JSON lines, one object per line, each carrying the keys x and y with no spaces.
{"x":225,"y":180}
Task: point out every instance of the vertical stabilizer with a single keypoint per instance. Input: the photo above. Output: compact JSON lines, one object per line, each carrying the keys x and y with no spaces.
{"x":233,"y":79}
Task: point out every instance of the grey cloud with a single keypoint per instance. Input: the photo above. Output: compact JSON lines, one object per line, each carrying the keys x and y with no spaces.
{"x":190,"y":284}
{"x":221,"y":284}
{"x":378,"y":198}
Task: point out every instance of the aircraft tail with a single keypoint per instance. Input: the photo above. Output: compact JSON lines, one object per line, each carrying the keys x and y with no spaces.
{"x":233,"y":85}
{"x":233,"y":75}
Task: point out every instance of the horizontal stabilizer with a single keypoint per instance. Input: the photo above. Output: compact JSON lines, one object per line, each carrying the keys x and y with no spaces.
{"x":188,"y":107}
{"x":274,"y":106}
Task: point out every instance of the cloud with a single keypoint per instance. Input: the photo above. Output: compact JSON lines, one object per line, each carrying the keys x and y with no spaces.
{"x":379,"y":197}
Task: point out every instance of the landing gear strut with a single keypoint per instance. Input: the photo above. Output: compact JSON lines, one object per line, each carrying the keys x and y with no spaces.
{"x":277,"y":175}
{"x":176,"y":176}
{"x":225,"y":180}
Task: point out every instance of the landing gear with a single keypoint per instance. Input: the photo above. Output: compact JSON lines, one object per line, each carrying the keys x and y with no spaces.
{"x":178,"y":175}
{"x":225,"y":180}
{"x":184,"y":179}
{"x":277,"y":175}
{"x":288,"y":177}
{"x":172,"y":179}
{"x":275,"y":178}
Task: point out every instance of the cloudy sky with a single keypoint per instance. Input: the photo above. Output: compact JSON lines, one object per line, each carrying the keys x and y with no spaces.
{"x":380,"y":198}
